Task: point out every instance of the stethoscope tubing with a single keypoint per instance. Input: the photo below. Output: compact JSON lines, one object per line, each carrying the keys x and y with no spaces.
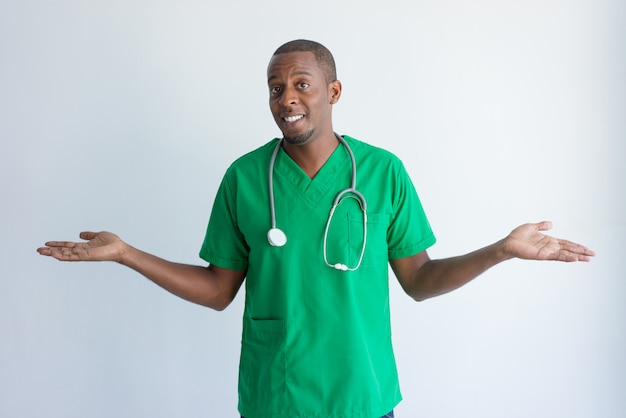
{"x":277,"y":237}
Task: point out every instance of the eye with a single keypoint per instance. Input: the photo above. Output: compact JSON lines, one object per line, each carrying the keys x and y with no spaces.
{"x":274,"y":90}
{"x":304,"y":85}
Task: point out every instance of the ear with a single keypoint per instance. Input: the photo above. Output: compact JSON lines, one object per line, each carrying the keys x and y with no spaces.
{"x":334,"y":91}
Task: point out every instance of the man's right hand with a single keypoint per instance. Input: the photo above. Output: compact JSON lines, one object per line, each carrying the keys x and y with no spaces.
{"x":210,"y":286}
{"x":100,"y":246}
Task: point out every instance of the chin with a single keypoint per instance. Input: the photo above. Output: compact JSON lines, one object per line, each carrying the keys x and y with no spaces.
{"x":298,"y":139}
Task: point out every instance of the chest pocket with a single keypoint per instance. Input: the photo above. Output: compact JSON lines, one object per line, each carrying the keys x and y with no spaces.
{"x":376,"y":248}
{"x":346,"y":240}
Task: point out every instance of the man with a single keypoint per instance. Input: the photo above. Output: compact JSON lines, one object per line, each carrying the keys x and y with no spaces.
{"x":316,"y":332}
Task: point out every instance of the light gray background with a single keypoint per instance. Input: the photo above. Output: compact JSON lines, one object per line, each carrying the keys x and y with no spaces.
{"x":123,"y":115}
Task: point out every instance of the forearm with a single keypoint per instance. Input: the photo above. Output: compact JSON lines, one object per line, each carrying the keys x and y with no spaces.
{"x":437,"y":277}
{"x":201,"y":285}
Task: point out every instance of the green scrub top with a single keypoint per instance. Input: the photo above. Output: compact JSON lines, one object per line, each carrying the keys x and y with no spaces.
{"x":316,"y":341}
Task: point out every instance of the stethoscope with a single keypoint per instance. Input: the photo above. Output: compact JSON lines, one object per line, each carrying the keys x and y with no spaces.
{"x":277,"y":237}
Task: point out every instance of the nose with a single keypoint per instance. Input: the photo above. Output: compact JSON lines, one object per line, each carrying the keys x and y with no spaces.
{"x":289,"y":97}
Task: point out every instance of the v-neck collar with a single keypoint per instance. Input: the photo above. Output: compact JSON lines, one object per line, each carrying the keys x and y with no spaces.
{"x":312,"y":189}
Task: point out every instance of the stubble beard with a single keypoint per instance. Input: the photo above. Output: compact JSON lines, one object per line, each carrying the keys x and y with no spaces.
{"x":300,"y":139}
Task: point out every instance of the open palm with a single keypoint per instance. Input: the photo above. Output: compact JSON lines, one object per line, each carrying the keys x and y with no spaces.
{"x":100,"y":246}
{"x":527,"y":242}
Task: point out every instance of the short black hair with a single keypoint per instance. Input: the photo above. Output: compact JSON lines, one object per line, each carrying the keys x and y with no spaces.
{"x":322,"y":55}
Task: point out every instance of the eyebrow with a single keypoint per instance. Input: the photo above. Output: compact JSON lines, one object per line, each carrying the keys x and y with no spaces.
{"x":301,"y":72}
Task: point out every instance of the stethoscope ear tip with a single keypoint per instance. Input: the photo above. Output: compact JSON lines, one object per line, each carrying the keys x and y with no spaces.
{"x":341,"y":267}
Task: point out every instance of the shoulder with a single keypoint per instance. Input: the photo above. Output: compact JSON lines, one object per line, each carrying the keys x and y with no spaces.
{"x":366,"y":153}
{"x":254,"y":160}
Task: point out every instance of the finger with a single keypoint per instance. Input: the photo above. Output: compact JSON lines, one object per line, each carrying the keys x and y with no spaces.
{"x":543,"y":226}
{"x":589,"y":253}
{"x":60,"y":253}
{"x":575,"y":247}
{"x":86,"y":235}
{"x":570,"y":257}
{"x":44,"y":250}
{"x":54,"y":244}
{"x":65,"y":255}
{"x":572,"y":251}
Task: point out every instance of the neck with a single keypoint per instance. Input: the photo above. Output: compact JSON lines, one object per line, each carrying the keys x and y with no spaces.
{"x":312,"y":155}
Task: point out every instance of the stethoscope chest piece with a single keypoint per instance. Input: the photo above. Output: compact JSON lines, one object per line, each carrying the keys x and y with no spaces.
{"x":276,"y":237}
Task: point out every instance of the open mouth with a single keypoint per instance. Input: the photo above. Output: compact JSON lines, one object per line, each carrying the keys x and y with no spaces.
{"x":291,"y":119}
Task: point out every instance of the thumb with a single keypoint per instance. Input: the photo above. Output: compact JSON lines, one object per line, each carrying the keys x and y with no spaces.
{"x":543,"y":226}
{"x":88,"y":235}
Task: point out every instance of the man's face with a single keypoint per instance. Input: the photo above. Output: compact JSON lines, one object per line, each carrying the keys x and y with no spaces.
{"x":300,"y":97}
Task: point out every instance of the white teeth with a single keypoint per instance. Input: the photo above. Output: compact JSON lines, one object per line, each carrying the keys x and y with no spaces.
{"x":292,"y":118}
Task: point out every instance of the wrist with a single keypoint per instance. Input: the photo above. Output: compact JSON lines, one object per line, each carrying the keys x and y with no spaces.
{"x":125,"y":254}
{"x":504,"y":251}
